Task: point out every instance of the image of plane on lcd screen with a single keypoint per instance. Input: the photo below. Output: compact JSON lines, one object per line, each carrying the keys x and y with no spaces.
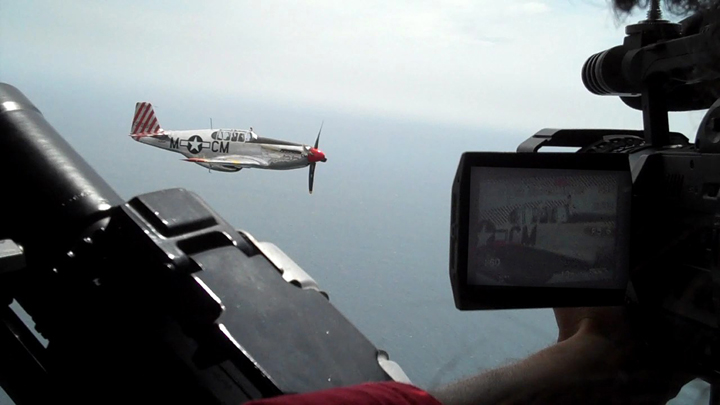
{"x":531,"y":227}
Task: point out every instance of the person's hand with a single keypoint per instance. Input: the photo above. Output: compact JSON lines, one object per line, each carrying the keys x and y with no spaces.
{"x":608,"y":357}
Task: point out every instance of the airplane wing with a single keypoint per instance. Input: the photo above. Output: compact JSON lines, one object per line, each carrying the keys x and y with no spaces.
{"x":240,"y":161}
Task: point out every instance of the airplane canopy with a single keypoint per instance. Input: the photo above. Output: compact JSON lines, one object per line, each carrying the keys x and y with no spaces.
{"x":234,"y":135}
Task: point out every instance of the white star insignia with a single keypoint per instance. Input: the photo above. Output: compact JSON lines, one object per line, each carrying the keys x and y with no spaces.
{"x":194,"y":146}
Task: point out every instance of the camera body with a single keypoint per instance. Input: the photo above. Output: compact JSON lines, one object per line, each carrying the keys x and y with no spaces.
{"x":631,"y":218}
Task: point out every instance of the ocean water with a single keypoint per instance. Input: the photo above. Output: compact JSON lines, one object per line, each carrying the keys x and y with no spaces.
{"x":374,"y":234}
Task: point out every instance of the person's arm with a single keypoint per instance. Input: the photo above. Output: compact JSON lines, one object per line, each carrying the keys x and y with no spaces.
{"x":596,"y":360}
{"x":554,"y":375}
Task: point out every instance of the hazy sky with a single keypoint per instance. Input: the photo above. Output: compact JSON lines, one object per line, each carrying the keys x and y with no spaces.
{"x":501,"y":64}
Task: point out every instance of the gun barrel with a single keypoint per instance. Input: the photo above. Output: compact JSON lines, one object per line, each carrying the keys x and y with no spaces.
{"x":51,"y":194}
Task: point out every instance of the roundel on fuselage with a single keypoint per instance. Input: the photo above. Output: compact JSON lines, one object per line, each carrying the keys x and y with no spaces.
{"x":195,"y":144}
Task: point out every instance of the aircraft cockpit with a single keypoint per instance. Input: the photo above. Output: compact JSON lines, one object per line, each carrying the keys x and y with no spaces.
{"x":233,"y":135}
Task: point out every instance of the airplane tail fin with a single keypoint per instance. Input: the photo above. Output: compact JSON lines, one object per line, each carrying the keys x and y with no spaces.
{"x":144,"y":121}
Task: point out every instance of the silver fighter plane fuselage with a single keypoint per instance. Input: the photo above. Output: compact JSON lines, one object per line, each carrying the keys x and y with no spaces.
{"x":230,"y":150}
{"x":225,"y":150}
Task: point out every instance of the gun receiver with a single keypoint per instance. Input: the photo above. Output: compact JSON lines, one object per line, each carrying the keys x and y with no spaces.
{"x":156,"y":298}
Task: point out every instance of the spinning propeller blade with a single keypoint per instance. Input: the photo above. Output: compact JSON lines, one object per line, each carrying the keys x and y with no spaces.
{"x":317,"y":140}
{"x":311,"y":176}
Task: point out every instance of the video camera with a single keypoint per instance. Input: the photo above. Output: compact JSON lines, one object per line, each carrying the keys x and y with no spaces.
{"x":632,"y":218}
{"x":157,"y":299}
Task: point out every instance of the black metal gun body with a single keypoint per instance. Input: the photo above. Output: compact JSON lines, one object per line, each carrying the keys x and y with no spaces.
{"x":157,"y":299}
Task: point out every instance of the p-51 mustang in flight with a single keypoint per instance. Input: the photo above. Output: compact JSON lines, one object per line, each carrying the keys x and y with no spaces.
{"x":225,"y":150}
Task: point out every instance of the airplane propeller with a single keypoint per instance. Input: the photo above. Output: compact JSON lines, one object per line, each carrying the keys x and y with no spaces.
{"x":311,"y":176}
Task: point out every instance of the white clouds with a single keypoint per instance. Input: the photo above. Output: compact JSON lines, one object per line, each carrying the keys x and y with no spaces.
{"x":471,"y":63}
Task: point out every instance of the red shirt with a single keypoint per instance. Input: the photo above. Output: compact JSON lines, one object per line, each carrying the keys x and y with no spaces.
{"x":376,"y":393}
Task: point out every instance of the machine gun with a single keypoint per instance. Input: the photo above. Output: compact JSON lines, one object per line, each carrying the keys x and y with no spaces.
{"x":155,"y":299}
{"x":632,"y":218}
